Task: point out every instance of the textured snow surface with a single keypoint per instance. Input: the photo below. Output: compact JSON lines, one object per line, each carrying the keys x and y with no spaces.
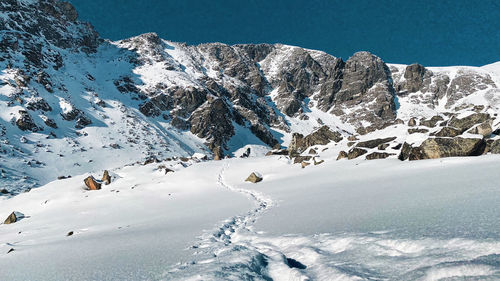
{"x":341,"y":220}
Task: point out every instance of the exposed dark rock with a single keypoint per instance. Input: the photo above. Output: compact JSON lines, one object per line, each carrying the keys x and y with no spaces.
{"x":300,"y":159}
{"x":448,"y":132}
{"x":417,"y":130}
{"x":431,"y":122}
{"x":447,"y":147}
{"x":213,"y":122}
{"x":180,"y":123}
{"x":25,"y":122}
{"x":467,"y":122}
{"x":38,"y":104}
{"x":412,"y":122}
{"x":352,"y":138}
{"x":405,"y":151}
{"x":414,"y":75}
{"x":50,"y":122}
{"x":277,"y":152}
{"x":495,"y":147}
{"x":342,"y":155}
{"x":355,"y":153}
{"x":374,"y":143}
{"x":378,"y":155}
{"x":321,"y":136}
{"x":483,"y":129}
{"x":383,"y":146}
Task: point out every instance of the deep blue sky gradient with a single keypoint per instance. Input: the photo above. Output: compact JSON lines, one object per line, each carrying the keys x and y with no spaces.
{"x":433,"y":33}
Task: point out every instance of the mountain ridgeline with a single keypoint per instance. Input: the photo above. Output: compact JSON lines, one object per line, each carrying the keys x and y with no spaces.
{"x":72,"y":101}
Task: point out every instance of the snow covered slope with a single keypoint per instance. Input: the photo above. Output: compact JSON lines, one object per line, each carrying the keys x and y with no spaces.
{"x":72,"y":102}
{"x":342,"y":220}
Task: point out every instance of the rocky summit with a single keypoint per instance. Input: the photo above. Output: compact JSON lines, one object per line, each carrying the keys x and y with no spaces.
{"x":74,"y":102}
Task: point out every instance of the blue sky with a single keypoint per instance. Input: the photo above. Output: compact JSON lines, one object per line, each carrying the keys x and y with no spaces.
{"x":438,"y":32}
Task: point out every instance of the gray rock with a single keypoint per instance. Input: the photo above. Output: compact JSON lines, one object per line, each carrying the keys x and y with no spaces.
{"x":417,"y":130}
{"x":321,"y":136}
{"x":378,"y":155}
{"x":374,"y":143}
{"x":355,"y":153}
{"x":467,"y":122}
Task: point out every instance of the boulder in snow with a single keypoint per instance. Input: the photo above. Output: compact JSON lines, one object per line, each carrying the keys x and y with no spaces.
{"x":106,"y":178}
{"x":254,"y":177}
{"x":13,"y":217}
{"x":92,"y":183}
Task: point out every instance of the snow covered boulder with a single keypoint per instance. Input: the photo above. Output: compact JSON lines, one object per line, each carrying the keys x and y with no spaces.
{"x":254,"y":177}
{"x":92,"y":183}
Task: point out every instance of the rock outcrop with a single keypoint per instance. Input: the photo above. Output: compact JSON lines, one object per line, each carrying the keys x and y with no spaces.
{"x":433,"y":148}
{"x":321,"y":136}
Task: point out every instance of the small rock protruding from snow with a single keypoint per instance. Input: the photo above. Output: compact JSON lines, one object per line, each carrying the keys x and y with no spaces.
{"x":13,"y":217}
{"x":106,"y":178}
{"x":92,"y":183}
{"x":254,"y":177}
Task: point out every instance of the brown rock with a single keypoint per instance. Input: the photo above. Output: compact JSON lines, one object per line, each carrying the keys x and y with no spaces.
{"x":417,"y":130}
{"x":447,"y":147}
{"x":342,"y":155}
{"x":374,"y":143}
{"x":431,"y":122}
{"x":412,"y":122}
{"x":300,"y":159}
{"x":254,"y":177}
{"x":467,"y":122}
{"x":304,"y":164}
{"x":321,"y":136}
{"x":106,"y":178}
{"x":378,"y":155}
{"x":483,"y":129}
{"x":383,"y":146}
{"x":355,"y":153}
{"x":352,"y":138}
{"x":277,"y":152}
{"x":448,"y":132}
{"x":12,"y":218}
{"x":92,"y":183}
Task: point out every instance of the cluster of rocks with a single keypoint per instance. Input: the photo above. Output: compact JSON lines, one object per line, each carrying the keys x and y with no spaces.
{"x":94,"y":184}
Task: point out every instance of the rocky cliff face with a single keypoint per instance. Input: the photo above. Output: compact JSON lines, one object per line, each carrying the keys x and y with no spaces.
{"x":66,"y":91}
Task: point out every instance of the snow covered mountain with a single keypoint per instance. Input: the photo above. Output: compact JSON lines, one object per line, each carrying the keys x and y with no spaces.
{"x":72,"y":102}
{"x":148,"y":110}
